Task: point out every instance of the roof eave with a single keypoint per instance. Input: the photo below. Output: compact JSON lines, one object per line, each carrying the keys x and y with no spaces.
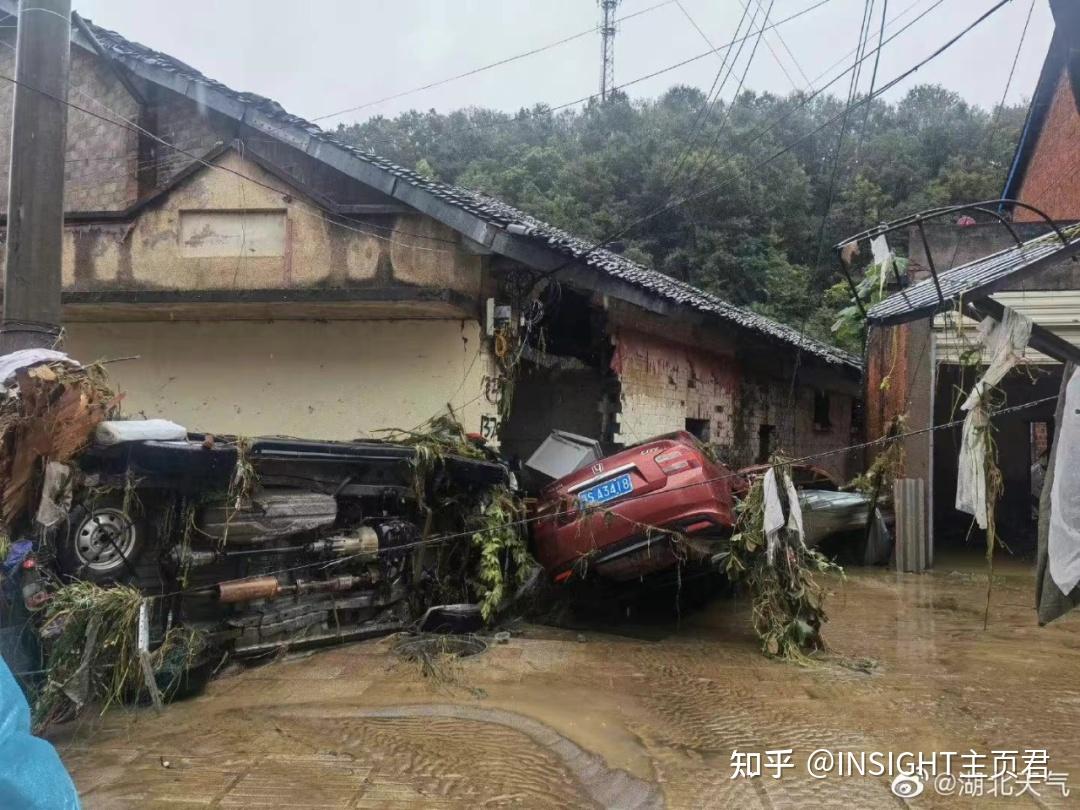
{"x":1055,"y":61}
{"x":528,"y":250}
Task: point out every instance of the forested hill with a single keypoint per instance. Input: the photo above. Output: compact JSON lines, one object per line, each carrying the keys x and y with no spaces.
{"x":755,"y":239}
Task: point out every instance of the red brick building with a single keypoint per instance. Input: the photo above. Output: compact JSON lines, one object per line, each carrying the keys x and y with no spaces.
{"x":921,"y":359}
{"x":1045,"y":171}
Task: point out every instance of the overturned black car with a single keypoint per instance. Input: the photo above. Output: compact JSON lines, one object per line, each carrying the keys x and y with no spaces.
{"x":259,"y":543}
{"x":122,"y":536}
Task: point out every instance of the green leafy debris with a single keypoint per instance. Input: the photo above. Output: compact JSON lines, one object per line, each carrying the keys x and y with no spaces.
{"x":788,"y":602}
{"x":92,"y":653}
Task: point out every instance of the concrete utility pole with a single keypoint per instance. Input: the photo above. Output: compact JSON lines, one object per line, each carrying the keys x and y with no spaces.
{"x":35,"y":221}
{"x":607,"y":47}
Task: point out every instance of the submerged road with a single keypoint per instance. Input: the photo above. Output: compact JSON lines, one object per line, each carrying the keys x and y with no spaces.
{"x":641,"y":717}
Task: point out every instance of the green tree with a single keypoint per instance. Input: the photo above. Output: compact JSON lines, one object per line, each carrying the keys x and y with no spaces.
{"x":749,"y":225}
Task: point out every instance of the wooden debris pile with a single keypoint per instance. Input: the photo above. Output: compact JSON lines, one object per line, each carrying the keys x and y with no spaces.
{"x":49,"y":413}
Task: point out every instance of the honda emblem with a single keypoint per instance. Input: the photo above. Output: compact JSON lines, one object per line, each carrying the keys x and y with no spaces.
{"x":598,"y":467}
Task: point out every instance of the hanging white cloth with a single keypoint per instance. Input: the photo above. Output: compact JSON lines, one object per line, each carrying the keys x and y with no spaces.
{"x":883,"y":256}
{"x":1063,"y":542}
{"x":775,"y":519}
{"x":1003,"y":344}
{"x":794,"y":519}
{"x":774,"y":515}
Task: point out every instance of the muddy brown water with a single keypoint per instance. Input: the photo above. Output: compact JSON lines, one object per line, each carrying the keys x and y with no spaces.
{"x":639,"y":718}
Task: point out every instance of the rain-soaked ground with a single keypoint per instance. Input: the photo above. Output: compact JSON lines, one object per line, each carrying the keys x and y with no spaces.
{"x":646,"y":718}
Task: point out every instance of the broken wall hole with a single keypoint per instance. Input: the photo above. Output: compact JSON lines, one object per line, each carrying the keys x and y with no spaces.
{"x":700,"y":428}
{"x":765,"y":443}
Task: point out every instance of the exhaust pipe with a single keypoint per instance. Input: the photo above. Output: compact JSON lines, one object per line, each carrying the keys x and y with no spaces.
{"x":248,"y":590}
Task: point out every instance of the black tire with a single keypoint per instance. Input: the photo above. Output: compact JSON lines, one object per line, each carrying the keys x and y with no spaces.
{"x":102,"y":543}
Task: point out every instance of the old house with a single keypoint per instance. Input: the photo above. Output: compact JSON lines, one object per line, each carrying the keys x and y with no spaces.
{"x":273,"y":280}
{"x":923,"y":357}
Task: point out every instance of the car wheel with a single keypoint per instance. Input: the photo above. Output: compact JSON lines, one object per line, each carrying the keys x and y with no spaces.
{"x":102,"y":543}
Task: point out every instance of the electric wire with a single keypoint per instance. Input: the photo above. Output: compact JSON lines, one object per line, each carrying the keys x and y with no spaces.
{"x":745,"y":6}
{"x":1008,"y":83}
{"x":722,"y":128}
{"x":791,"y":55}
{"x":320,"y":214}
{"x":656,"y":212}
{"x":757,"y":135}
{"x":873,"y":82}
{"x":828,"y":122}
{"x":547,"y":110}
{"x":483,"y":68}
{"x":853,"y":89}
{"x":704,"y":113}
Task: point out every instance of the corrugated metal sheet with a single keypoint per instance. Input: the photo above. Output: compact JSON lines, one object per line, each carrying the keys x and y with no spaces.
{"x":1056,"y":310}
{"x":975,"y":279}
{"x":913,"y":552}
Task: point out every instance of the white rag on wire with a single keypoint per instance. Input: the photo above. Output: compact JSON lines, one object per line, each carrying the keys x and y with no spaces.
{"x":1003,"y":344}
{"x":775,"y":520}
{"x":883,"y":256}
{"x":1063,"y":542}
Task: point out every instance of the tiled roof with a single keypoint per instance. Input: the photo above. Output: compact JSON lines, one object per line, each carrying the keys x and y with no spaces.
{"x":497,"y":213}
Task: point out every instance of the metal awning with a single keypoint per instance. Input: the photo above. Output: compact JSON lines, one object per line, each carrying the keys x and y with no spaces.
{"x":975,"y":280}
{"x":968,"y":287}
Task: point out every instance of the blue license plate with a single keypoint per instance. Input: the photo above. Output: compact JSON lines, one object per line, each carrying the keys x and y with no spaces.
{"x":607,"y":491}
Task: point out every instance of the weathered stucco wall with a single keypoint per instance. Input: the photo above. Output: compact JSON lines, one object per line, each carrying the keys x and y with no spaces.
{"x":159,"y":251}
{"x":333,"y":380}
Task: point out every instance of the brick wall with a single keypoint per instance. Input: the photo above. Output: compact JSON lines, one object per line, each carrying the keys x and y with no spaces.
{"x":794,"y":430}
{"x":101,"y":158}
{"x":663,"y":384}
{"x":185,"y":124}
{"x":1052,"y":179}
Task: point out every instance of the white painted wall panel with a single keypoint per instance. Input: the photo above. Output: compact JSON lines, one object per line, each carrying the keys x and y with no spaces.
{"x":217,"y":234}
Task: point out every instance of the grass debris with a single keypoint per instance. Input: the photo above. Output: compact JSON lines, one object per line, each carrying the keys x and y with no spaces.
{"x":492,"y":559}
{"x":92,"y":650}
{"x":436,"y":654}
{"x":888,"y":465}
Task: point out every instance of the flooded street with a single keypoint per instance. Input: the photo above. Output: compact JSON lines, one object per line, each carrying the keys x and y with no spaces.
{"x":649,"y":718}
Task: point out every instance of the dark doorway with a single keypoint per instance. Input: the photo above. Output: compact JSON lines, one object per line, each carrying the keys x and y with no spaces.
{"x":701,"y":428}
{"x":1016,"y":438}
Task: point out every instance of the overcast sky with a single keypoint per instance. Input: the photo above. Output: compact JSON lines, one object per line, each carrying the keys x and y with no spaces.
{"x":321,"y":56}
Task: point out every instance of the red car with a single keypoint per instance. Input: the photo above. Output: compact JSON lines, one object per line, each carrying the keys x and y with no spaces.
{"x":668,"y":482}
